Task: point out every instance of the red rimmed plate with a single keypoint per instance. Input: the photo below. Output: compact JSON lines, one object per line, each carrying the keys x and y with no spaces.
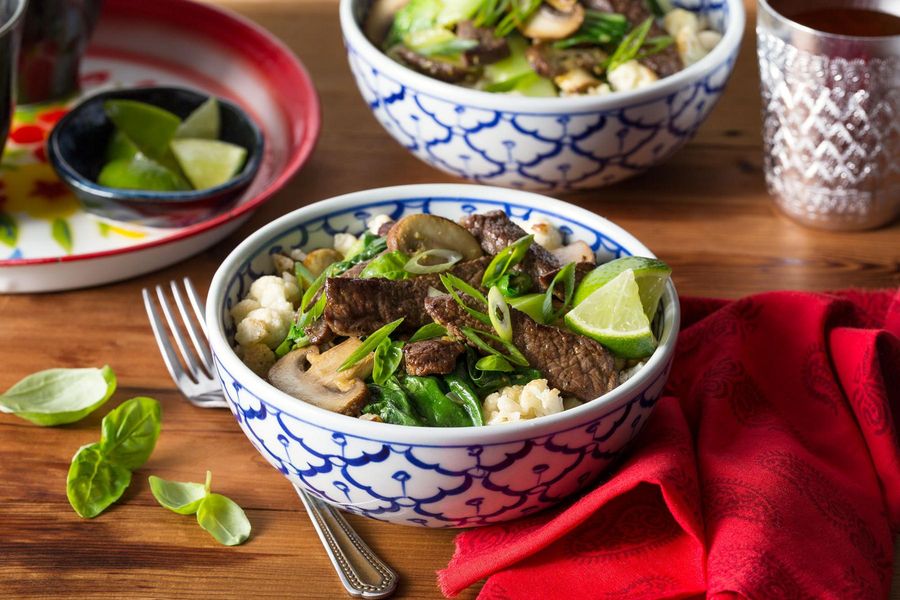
{"x":48,"y":243}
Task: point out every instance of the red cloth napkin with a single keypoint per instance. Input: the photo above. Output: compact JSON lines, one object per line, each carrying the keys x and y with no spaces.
{"x":769,"y":469}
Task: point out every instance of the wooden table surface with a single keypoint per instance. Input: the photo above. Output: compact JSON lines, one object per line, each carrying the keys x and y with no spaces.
{"x":705,"y":212}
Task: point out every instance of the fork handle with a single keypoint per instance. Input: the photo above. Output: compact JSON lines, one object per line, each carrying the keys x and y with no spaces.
{"x":362,"y":572}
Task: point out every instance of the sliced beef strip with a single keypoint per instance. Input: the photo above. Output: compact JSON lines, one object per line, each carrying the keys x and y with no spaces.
{"x":664,"y":63}
{"x":319,"y":332}
{"x":360,"y":306}
{"x":572,"y":363}
{"x":431,"y":357}
{"x":385,"y":228}
{"x":581,"y":270}
{"x":551,"y":62}
{"x":495,"y":231}
{"x":438,"y":69}
{"x":490,"y":48}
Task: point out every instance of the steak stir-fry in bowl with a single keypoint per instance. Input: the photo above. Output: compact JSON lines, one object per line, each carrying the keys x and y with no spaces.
{"x":429,"y":322}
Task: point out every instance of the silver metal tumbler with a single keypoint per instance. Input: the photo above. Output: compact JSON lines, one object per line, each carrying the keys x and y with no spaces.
{"x":831,"y":118}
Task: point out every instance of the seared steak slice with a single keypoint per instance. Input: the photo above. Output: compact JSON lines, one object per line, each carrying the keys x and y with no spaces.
{"x":572,"y":363}
{"x":664,"y":63}
{"x":439,"y":69}
{"x":360,"y":306}
{"x":431,"y":357}
{"x":319,"y":332}
{"x":581,"y":270}
{"x":490,"y":48}
{"x":495,"y":231}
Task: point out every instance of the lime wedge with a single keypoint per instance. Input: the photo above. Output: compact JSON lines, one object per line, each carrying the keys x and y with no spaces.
{"x":651,"y":276}
{"x":141,"y":173}
{"x":203,"y":123}
{"x":614,"y":316}
{"x":149,"y":127}
{"x":530,"y":304}
{"x":208,"y":163}
{"x":120,"y":147}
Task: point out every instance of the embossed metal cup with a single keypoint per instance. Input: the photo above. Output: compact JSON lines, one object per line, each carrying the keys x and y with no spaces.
{"x":831,"y":118}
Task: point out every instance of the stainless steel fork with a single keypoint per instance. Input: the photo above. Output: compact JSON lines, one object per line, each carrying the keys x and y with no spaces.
{"x":362,"y":572}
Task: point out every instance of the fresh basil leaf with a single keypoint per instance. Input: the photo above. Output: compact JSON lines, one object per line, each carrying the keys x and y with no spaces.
{"x":59,"y":396}
{"x":370,"y":344}
{"x":428,"y":332}
{"x":388,"y":356}
{"x":93,"y":483}
{"x":182,"y":497}
{"x":223,"y":519}
{"x":389,"y":265}
{"x":129,"y":432}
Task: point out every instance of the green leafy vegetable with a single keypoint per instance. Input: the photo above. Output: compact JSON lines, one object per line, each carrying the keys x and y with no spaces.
{"x":217,"y":514}
{"x":566,"y":275}
{"x":487,"y":382}
{"x":100,"y":472}
{"x":636,"y":46}
{"x":505,"y":260}
{"x":513,"y":354}
{"x":296,"y":337}
{"x":515,"y":284}
{"x":428,"y":332}
{"x":388,"y":356}
{"x":224,"y":520}
{"x":389,"y":265}
{"x":431,"y":401}
{"x":59,"y":396}
{"x":598,"y":28}
{"x":492,"y":362}
{"x":379,"y":335}
{"x":391,"y":404}
{"x":461,"y":389}
{"x":437,"y":41}
{"x":181,"y":497}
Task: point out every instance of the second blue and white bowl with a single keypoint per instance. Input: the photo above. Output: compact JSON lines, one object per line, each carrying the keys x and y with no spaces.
{"x":434,"y":477}
{"x":546,"y":144}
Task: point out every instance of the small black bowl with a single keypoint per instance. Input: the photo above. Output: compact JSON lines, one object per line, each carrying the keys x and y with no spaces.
{"x":77,"y":150}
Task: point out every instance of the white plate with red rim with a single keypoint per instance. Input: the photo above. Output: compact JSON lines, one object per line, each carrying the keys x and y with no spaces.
{"x":48,"y":243}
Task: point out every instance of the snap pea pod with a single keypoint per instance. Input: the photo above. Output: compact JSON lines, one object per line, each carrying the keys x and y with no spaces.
{"x":459,"y":385}
{"x":432,"y":403}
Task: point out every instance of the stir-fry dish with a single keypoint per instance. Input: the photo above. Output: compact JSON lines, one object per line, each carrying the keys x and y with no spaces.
{"x":541,"y":47}
{"x":428,"y":322}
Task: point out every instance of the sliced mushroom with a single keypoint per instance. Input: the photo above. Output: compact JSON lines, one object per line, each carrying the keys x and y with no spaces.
{"x":319,"y":260}
{"x":312,"y":377}
{"x":380,"y":18}
{"x":415,"y":233}
{"x":575,"y":81}
{"x":562,"y":5}
{"x":576,"y":252}
{"x":550,"y":24}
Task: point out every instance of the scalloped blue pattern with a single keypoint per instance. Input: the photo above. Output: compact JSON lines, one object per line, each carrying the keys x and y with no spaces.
{"x":543,"y":152}
{"x":422,"y":484}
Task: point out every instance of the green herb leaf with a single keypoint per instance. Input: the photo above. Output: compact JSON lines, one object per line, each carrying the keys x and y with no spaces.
{"x":93,"y":483}
{"x":519,"y":12}
{"x":488,"y":382}
{"x":598,"y":28}
{"x":505,"y":260}
{"x":428,"y":332}
{"x":566,"y":275}
{"x":468,"y":399}
{"x":223,"y":519}
{"x":391,"y":404}
{"x":388,"y":356}
{"x":370,"y":344}
{"x":182,"y":497}
{"x":129,"y":432}
{"x":389,"y":265}
{"x":59,"y":396}
{"x":513,"y":354}
{"x":629,"y":47}
{"x":494,"y":363}
{"x":515,"y":284}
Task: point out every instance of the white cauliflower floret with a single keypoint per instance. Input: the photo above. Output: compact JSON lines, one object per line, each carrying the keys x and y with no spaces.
{"x":377,"y":221}
{"x":631,"y":75}
{"x":629,"y":372}
{"x":709,"y":39}
{"x":258,"y":357}
{"x":679,"y":19}
{"x":522,"y":402}
{"x":690,"y":50}
{"x":344,"y":243}
{"x":273,"y":291}
{"x":298,"y":254}
{"x":240,"y":310}
{"x":282,"y":263}
{"x":545,"y":233}
{"x":263,"y":326}
{"x":291,"y":289}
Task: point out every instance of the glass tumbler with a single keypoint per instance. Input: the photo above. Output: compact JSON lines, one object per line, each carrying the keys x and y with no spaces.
{"x":831,"y":117}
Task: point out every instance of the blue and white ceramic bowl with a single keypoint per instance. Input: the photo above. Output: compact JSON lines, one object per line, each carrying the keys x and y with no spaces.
{"x":546,"y":144}
{"x":435,"y":477}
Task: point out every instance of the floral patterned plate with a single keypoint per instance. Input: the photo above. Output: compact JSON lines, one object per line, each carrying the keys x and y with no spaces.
{"x":47,"y":242}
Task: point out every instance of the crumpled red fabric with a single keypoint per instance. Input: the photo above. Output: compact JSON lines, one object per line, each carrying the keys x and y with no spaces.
{"x":770,"y":468}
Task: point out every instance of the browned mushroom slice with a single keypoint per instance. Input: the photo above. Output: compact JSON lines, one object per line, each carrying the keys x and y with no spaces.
{"x":312,"y":377}
{"x":547,"y":23}
{"x":419,"y":232}
{"x":433,"y":67}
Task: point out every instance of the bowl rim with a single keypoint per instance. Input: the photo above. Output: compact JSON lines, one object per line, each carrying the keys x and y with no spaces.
{"x":356,"y":41}
{"x":13,"y":20}
{"x":627,"y":392}
{"x":75,"y":178}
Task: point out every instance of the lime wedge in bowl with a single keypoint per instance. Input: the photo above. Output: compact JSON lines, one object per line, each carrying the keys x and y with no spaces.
{"x":614,"y":316}
{"x":141,"y":173}
{"x":203,"y":123}
{"x":149,"y":127}
{"x":650,"y":274}
{"x":208,"y":163}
